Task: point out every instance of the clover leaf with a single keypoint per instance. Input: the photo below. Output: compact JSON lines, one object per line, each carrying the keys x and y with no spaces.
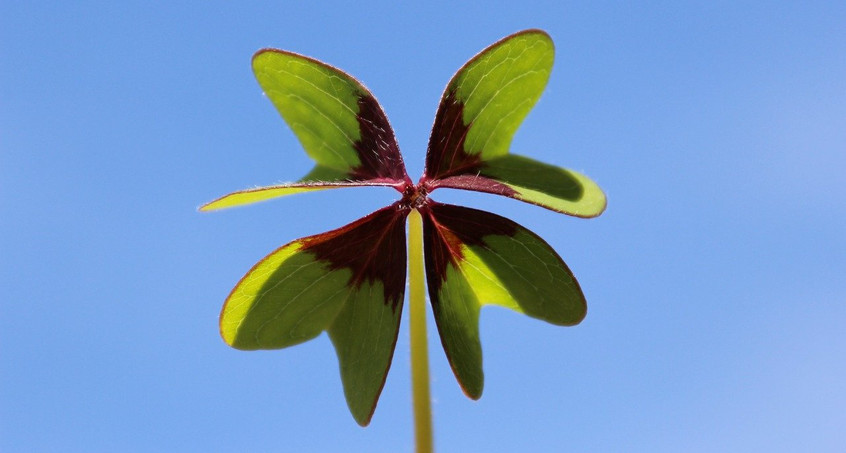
{"x":350,"y":282}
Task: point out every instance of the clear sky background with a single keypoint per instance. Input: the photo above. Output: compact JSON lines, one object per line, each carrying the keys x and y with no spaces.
{"x":716,"y":279}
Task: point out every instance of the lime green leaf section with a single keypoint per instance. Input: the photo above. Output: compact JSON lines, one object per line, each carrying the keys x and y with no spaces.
{"x":338,"y":122}
{"x":287,"y":298}
{"x":457,"y":318}
{"x":249,"y":196}
{"x":523,"y":272}
{"x":528,"y":180}
{"x":319,"y":103}
{"x":348,"y":282}
{"x":499,"y":87}
{"x":475,"y":258}
{"x":364,"y":334}
{"x":546,"y":185}
{"x":482,"y":107}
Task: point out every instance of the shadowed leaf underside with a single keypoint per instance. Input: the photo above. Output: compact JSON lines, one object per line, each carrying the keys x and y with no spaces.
{"x":481,"y":109}
{"x":475,"y":258}
{"x":349,"y":282}
{"x":336,"y":119}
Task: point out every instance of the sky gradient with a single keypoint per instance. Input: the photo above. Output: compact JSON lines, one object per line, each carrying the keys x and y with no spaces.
{"x":714,"y":280}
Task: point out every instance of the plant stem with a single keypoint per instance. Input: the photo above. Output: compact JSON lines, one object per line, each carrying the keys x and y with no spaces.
{"x":419,"y":340}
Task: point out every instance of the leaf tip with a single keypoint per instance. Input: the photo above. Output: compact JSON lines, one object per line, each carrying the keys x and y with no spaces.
{"x":364,"y":420}
{"x":473,"y":394}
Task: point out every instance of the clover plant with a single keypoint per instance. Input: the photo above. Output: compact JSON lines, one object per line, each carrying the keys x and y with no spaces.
{"x":350,"y":282}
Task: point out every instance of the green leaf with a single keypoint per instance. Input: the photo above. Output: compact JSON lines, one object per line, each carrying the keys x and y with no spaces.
{"x":486,"y":101}
{"x":481,"y":109}
{"x":277,"y":304}
{"x":528,"y":180}
{"x":338,"y":121}
{"x":475,"y":258}
{"x":249,"y":196}
{"x":349,"y":282}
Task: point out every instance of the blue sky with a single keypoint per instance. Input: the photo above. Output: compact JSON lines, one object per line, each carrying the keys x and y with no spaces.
{"x":715,"y":280}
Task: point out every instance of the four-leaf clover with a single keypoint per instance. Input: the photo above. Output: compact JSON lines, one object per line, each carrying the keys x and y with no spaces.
{"x":350,"y":282}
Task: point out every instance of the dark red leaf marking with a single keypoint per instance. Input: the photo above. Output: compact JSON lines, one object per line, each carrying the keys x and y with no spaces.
{"x":475,"y":182}
{"x":377,"y":148}
{"x":373,"y":247}
{"x":445,"y":229}
{"x":446,"y":155}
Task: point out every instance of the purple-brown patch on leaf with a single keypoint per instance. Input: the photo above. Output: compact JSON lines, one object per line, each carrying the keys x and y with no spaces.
{"x":377,"y":148}
{"x":446,"y":228}
{"x":373,"y":248}
{"x":446,"y":155}
{"x":475,"y":182}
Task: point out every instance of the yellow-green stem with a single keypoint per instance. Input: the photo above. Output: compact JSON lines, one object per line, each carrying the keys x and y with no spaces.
{"x":419,"y":341}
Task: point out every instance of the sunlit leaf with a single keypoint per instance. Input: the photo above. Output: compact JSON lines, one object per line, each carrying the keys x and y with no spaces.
{"x":349,"y":281}
{"x":485,"y":102}
{"x":249,"y":196}
{"x":338,"y":121}
{"x":474,"y":258}
{"x":481,"y":109}
{"x":528,"y":180}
